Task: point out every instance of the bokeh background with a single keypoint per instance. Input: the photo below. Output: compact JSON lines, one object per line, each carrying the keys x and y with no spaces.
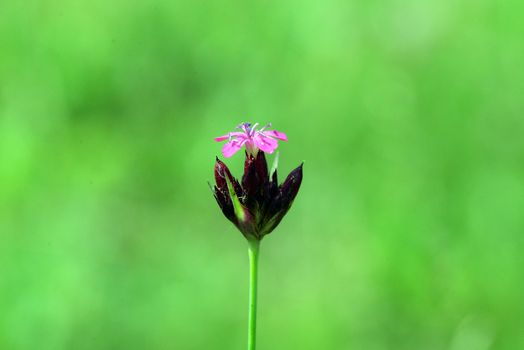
{"x":407,"y":232}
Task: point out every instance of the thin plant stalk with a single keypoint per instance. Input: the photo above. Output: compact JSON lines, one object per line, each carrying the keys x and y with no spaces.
{"x":253,"y":250}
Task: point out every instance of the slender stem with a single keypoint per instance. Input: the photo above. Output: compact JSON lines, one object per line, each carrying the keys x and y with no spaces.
{"x":253,"y":250}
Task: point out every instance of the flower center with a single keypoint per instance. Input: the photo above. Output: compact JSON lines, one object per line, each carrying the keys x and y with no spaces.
{"x":248,"y":129}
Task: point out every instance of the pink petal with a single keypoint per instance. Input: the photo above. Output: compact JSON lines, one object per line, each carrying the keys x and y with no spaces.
{"x":279,"y":135}
{"x":266,"y":144}
{"x":221,"y":138}
{"x":232,"y":147}
{"x":231,"y":134}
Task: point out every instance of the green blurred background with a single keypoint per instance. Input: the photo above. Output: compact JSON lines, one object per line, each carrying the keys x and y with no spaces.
{"x":407,"y":232}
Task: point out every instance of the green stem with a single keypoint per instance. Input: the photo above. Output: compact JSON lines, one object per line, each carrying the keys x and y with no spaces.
{"x":253,"y":249}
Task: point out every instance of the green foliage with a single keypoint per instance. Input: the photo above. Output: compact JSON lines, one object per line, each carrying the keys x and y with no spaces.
{"x":408,"y":229}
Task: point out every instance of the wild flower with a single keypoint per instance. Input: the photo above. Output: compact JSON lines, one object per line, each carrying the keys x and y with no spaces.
{"x":253,"y":139}
{"x":257,"y":203}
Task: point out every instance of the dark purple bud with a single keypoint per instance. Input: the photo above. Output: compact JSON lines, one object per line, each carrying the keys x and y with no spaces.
{"x":220,"y":175}
{"x":221,"y":171}
{"x":250,"y":181}
{"x":258,"y":205}
{"x":291,"y":185}
{"x":224,"y":202}
{"x":282,"y":201}
{"x":261,"y":168}
{"x":255,"y":181}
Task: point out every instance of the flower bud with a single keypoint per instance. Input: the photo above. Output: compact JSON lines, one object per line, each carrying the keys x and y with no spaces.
{"x":258,"y":204}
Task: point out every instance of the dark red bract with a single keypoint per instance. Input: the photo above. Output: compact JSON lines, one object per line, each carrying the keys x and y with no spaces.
{"x":262,"y":203}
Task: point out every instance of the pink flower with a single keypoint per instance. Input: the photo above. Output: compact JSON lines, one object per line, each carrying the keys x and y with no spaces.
{"x":265,"y":140}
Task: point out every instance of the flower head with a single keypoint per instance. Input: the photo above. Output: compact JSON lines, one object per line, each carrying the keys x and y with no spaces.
{"x":253,"y":139}
{"x":257,"y":204}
